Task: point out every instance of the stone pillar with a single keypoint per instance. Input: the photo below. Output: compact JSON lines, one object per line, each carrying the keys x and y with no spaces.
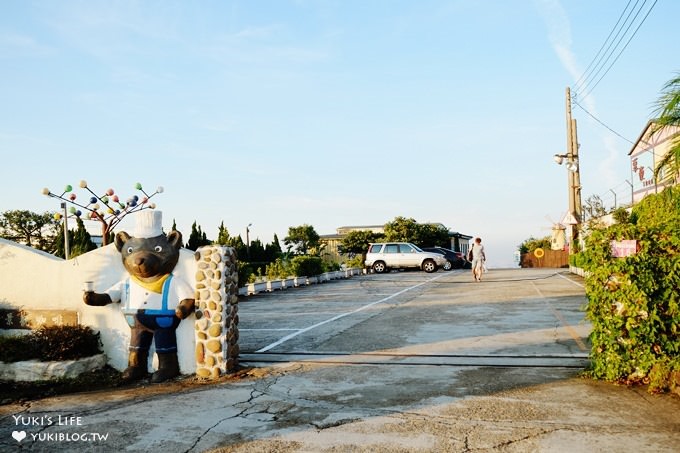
{"x":216,"y":311}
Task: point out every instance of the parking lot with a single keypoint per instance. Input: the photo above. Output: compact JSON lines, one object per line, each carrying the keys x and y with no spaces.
{"x":416,"y":317}
{"x":405,"y":361}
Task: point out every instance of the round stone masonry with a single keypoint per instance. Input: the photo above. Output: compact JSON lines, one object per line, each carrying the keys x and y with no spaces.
{"x":216,"y":311}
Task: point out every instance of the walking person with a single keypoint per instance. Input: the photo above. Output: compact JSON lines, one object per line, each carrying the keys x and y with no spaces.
{"x":478,"y":258}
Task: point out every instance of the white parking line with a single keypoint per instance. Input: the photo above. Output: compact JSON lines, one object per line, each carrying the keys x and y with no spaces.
{"x":572,"y":281}
{"x":266,"y":330}
{"x":568,"y":327}
{"x":342,"y":315}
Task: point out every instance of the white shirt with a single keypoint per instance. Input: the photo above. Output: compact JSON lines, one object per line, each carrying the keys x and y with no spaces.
{"x":477,"y":251}
{"x":134,"y":297}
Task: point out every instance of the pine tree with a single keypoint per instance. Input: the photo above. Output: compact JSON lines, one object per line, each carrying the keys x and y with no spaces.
{"x":272,"y":251}
{"x":174,"y":228}
{"x":197,"y":238}
{"x":222,"y":235}
{"x":79,"y":241}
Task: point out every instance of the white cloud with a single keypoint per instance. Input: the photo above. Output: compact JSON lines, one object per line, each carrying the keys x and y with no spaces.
{"x":559,"y":35}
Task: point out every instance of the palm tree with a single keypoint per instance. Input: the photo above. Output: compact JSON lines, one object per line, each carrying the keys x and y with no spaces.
{"x":668,"y":114}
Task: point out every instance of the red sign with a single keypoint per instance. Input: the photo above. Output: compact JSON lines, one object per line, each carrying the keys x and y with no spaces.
{"x":622,"y":249}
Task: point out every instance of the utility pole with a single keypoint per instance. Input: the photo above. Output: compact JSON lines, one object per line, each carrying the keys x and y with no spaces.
{"x":573,"y":176}
{"x":67,"y":250}
{"x":248,"y":240}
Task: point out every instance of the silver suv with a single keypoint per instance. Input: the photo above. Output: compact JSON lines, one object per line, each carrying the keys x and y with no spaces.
{"x":382,"y":256}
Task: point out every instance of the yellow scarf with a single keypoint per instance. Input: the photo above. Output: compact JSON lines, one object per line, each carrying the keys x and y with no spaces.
{"x":156,"y":287}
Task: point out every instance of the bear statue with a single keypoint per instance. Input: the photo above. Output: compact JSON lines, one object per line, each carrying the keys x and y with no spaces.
{"x":153,"y":300}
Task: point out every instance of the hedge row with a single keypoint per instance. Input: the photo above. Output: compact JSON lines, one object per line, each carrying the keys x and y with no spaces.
{"x":634,"y":302}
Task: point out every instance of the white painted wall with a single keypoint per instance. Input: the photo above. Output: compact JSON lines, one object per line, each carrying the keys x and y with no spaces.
{"x":33,"y":279}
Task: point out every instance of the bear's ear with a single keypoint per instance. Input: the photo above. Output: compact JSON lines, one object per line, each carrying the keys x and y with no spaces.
{"x":175,"y":239}
{"x":121,"y":239}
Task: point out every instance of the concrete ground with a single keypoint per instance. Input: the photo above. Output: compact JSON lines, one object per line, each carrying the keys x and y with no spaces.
{"x":403,"y":362}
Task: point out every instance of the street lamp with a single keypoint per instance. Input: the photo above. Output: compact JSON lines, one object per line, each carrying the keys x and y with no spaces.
{"x":572,"y":163}
{"x":248,"y":240}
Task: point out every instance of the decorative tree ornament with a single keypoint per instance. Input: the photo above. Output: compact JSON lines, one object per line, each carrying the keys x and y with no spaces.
{"x":160,"y":189}
{"x":72,"y":210}
{"x":57,"y":216}
{"x":100,"y":208}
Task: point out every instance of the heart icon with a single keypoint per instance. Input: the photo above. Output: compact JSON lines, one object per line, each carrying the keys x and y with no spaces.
{"x":19,"y":435}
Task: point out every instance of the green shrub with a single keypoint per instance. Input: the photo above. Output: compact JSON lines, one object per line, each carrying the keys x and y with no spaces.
{"x":577,"y":260}
{"x":531,"y":244}
{"x":331,"y":266}
{"x":18,"y":348}
{"x":51,"y":344}
{"x":244,"y":271}
{"x":634,"y":302}
{"x":278,"y":269}
{"x":356,"y":261}
{"x":304,"y":265}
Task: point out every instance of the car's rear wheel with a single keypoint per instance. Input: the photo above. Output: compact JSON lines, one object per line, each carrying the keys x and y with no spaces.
{"x":429,"y":266}
{"x":447,"y":266}
{"x":379,"y":267}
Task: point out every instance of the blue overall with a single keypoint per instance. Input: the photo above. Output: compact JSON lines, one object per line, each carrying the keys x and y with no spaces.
{"x":153,"y":325}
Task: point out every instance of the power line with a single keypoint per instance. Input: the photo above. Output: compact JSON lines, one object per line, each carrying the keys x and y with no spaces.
{"x":622,"y":50}
{"x":609,"y":51}
{"x":598,"y":120}
{"x":578,"y":82}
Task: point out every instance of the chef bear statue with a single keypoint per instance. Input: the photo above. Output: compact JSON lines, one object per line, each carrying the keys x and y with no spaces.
{"x":153,"y":300}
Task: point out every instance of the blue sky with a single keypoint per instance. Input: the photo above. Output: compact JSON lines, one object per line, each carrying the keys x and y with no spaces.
{"x":330,"y":113}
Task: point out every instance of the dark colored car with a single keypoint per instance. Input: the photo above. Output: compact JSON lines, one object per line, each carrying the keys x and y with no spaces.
{"x":454,"y":260}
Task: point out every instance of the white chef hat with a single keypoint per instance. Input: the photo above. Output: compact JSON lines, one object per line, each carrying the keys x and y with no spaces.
{"x":149,"y":224}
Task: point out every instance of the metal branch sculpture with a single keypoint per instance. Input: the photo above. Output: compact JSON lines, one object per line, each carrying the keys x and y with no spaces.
{"x":111,"y":210}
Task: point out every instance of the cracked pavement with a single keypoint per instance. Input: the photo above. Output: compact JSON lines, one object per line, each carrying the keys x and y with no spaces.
{"x":367,"y":403}
{"x":316,"y":408}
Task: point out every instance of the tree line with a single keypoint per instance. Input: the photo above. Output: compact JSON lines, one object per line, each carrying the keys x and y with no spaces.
{"x":44,"y":232}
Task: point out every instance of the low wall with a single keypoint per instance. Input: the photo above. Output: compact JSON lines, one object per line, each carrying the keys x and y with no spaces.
{"x":550,"y":258}
{"x":31,"y":279}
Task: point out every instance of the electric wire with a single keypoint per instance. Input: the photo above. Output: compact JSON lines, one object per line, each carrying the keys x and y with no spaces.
{"x":599,"y":121}
{"x":580,"y":79}
{"x":609,"y":51}
{"x":622,"y":50}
